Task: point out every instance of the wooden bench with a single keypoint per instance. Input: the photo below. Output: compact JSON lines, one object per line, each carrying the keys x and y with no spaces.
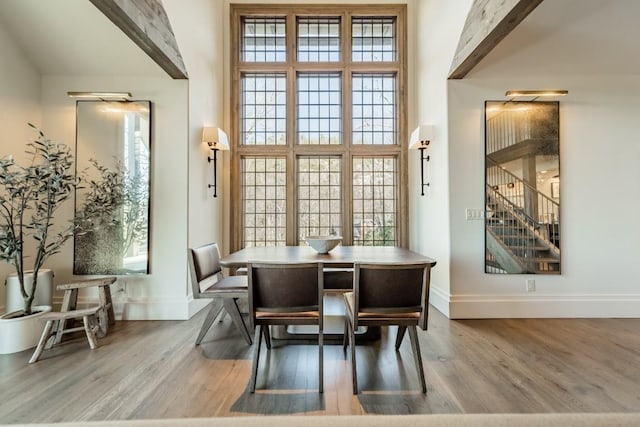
{"x":90,"y":326}
{"x":106,"y":315}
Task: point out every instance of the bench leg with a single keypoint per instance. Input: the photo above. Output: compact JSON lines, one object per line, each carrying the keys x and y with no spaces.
{"x":103,"y":315}
{"x":43,"y":340}
{"x":51,"y":340}
{"x":88,"y":328}
{"x":68,"y":303}
{"x":111,"y":315}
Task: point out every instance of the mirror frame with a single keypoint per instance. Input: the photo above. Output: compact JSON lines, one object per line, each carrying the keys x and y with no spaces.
{"x":99,"y":209}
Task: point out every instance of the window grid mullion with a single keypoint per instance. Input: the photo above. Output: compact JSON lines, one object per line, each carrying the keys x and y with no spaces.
{"x":345,"y":151}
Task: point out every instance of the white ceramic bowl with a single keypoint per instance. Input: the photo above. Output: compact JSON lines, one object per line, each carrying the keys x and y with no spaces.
{"x":323,"y":244}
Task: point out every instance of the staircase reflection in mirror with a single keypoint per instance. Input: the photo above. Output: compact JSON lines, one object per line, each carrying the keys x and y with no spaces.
{"x":522,"y":181}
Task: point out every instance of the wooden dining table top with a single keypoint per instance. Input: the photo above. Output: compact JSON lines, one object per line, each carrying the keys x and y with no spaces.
{"x":340,"y":256}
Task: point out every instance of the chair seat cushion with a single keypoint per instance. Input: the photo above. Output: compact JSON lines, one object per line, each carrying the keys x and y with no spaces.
{"x":226,"y":284}
{"x":387,"y":316}
{"x":263,"y":315}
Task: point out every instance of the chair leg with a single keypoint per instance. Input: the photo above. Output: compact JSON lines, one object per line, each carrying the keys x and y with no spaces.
{"x":256,"y":359}
{"x":221,"y":319}
{"x":43,"y":339}
{"x":415,"y":345}
{"x":267,"y":336}
{"x":352,"y":343}
{"x":88,"y":329}
{"x":400,"y":336}
{"x":320,"y":359}
{"x":216,"y":306}
{"x":345,"y":337}
{"x":231,"y":306}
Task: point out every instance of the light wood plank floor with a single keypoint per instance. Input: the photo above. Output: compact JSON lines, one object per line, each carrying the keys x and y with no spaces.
{"x":152,"y":369}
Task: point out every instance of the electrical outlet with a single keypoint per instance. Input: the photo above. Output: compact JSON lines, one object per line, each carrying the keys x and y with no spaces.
{"x":531,"y":285}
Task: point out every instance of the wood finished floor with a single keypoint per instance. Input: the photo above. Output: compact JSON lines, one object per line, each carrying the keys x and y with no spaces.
{"x":152,"y":369}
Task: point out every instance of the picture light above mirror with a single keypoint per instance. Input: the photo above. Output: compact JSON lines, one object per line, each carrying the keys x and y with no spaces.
{"x":100,"y":95}
{"x":536,"y":93}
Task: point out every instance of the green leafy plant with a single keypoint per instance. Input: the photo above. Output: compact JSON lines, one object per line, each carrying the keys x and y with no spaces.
{"x":29,"y":198}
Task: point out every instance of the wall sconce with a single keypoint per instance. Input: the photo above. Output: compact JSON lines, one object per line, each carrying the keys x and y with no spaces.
{"x":420,"y":139}
{"x":216,"y":139}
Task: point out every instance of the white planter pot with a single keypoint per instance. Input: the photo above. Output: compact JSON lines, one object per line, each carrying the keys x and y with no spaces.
{"x":44,"y":291}
{"x":21,"y":333}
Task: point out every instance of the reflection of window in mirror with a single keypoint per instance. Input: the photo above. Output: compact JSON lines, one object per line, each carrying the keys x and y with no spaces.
{"x":522,"y":187}
{"x":136,"y":166}
{"x":113,"y":151}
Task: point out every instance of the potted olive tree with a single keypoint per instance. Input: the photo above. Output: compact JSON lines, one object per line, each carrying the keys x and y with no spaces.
{"x":30,"y":195}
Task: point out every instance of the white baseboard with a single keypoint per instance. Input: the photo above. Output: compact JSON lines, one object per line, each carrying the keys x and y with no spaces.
{"x":452,"y":306}
{"x":440,"y":300}
{"x":543,"y":306}
{"x":142,"y":308}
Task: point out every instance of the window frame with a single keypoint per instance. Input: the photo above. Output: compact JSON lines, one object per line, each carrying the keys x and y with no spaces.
{"x":291,"y":150}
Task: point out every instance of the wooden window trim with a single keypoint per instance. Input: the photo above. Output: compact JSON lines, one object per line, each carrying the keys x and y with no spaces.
{"x":345,"y":66}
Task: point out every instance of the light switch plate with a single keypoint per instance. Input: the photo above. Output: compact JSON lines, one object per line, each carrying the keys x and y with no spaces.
{"x":474,"y":214}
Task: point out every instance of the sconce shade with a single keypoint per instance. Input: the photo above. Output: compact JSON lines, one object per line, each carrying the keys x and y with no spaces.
{"x":215,"y":138}
{"x":421,"y":137}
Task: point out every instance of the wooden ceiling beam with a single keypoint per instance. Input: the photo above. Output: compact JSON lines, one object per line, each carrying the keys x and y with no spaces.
{"x":147,"y":24}
{"x":488,"y":22}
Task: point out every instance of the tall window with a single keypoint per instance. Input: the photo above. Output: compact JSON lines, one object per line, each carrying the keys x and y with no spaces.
{"x":319,"y":124}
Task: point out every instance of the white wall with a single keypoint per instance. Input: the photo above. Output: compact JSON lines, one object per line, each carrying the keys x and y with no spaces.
{"x":161,"y":294}
{"x":438,"y":26}
{"x":19,"y":105}
{"x":199,"y":28}
{"x":556,"y":47}
{"x":26,"y":96}
{"x":599,"y":157}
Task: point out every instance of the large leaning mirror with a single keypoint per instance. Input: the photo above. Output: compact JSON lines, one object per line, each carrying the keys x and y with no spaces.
{"x":522,"y":191}
{"x":113,"y":153}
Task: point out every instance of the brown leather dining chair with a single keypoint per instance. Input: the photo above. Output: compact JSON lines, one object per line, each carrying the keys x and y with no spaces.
{"x":208,"y":281}
{"x":284,"y":294}
{"x":384,"y":295}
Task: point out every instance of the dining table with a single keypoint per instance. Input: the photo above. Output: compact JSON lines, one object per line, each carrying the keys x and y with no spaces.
{"x":339,"y":257}
{"x":337,"y":265}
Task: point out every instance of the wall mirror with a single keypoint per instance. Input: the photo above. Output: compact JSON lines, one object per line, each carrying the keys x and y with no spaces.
{"x":522,"y":187}
{"x":112,"y":207}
